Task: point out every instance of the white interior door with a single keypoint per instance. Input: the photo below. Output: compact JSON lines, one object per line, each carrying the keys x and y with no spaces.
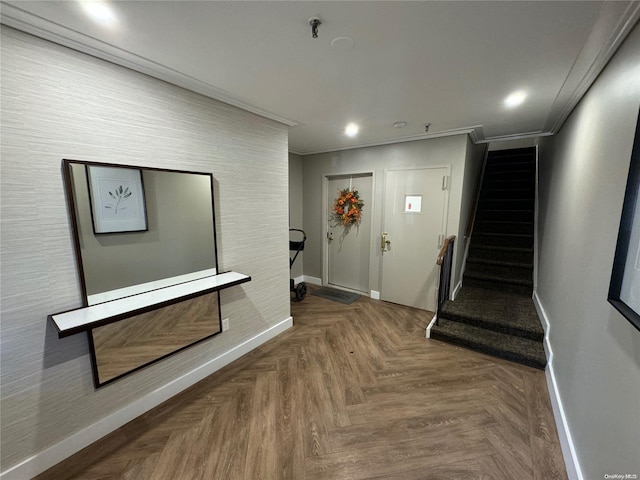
{"x":414,"y":225}
{"x":349,"y":248}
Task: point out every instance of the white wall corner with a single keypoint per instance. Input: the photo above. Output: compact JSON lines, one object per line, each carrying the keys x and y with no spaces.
{"x":312,"y":280}
{"x":375,"y":295}
{"x":53,"y":455}
{"x":572,"y":464}
{"x":430,"y":326}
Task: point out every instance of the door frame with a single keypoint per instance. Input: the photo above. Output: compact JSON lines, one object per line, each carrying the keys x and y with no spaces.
{"x":325,"y":218}
{"x":445,"y":219}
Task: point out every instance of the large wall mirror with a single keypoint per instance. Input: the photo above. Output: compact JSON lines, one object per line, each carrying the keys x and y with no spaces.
{"x":137,"y":230}
{"x":176,"y":244}
{"x":125,"y":346}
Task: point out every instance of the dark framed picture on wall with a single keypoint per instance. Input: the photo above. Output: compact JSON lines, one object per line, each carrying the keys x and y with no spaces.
{"x":117,"y":199}
{"x":624,"y":289}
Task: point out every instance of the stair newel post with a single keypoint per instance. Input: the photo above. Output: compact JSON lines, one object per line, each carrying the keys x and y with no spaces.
{"x":445,"y":261}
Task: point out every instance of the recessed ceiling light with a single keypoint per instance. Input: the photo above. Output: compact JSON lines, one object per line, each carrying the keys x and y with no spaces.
{"x":351,"y":130}
{"x":342,"y":43}
{"x":400,"y":124}
{"x":100,"y":12}
{"x":515,"y":99}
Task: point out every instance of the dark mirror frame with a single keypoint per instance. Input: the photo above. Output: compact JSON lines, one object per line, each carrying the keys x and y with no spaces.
{"x":624,"y":235}
{"x":71,"y":202}
{"x":72,"y":210}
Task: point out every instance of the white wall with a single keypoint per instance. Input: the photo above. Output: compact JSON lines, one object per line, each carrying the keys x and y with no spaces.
{"x":58,"y":103}
{"x":596,"y":351}
{"x":295,"y":208}
{"x":470,"y":188}
{"x":450,"y":151}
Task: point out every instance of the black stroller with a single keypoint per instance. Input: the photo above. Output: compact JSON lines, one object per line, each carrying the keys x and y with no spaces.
{"x":301,"y":289}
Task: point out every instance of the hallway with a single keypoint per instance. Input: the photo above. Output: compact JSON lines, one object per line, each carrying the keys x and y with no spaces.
{"x":350,"y":392}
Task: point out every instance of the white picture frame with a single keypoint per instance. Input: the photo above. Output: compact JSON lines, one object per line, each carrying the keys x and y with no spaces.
{"x":117,"y":199}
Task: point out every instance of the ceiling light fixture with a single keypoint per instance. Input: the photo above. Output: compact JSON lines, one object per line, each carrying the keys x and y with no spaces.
{"x":100,"y":12}
{"x":351,"y":130}
{"x":400,"y":124}
{"x":314,"y":22}
{"x":515,"y":99}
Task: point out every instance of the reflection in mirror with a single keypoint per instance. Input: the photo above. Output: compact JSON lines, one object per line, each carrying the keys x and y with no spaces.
{"x":124,"y":346}
{"x":178,"y":246}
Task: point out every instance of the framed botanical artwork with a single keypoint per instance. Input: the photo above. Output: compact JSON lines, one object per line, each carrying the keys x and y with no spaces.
{"x":117,"y":199}
{"x":624,"y":290}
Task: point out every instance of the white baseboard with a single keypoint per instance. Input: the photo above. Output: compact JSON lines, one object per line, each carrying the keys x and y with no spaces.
{"x":456,"y":290}
{"x":312,"y":280}
{"x":298,"y":279}
{"x":542,"y":314}
{"x":53,"y":455}
{"x":375,"y":295}
{"x":430,"y":326}
{"x":574,"y":472}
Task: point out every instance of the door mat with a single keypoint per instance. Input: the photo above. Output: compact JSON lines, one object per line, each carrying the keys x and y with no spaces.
{"x":336,"y":295}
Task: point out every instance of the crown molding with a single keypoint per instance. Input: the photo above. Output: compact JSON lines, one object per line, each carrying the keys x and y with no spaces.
{"x":14,"y":17}
{"x":471,"y":131}
{"x":615,"y":22}
{"x":517,"y":136}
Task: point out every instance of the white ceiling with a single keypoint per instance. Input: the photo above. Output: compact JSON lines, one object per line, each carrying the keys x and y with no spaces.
{"x":450,"y":64}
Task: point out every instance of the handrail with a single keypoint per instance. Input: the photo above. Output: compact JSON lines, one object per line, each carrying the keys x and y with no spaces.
{"x":443,"y":250}
{"x":445,"y":260}
{"x":474,"y":208}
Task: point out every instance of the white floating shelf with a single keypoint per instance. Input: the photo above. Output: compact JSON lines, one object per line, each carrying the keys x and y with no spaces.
{"x":86,"y":318}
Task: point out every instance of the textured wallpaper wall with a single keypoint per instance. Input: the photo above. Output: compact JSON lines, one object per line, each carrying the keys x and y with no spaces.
{"x":58,"y":103}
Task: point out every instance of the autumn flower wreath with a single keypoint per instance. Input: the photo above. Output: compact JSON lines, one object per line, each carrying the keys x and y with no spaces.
{"x":347,"y":208}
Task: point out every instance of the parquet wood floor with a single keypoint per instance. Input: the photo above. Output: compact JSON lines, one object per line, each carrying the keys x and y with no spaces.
{"x":350,"y":392}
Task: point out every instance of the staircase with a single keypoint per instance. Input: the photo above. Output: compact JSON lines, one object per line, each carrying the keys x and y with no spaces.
{"x":493,"y":313}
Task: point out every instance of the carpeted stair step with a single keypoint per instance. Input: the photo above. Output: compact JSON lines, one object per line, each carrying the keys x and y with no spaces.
{"x":513,"y":154}
{"x":510,"y":159}
{"x":506,"y":204}
{"x":501,"y":271}
{"x":500,"y":254}
{"x":496,"y":286}
{"x":506,"y":193}
{"x":514,"y":164}
{"x":511,"y":168}
{"x":507,"y":273}
{"x":489,"y":276}
{"x":499,"y":277}
{"x":503,"y":240}
{"x":502,"y":226}
{"x":500,"y":214}
{"x":505,"y":174}
{"x":513,"y":348}
{"x":506,"y":312}
{"x":505,"y":263}
{"x":508,"y":183}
